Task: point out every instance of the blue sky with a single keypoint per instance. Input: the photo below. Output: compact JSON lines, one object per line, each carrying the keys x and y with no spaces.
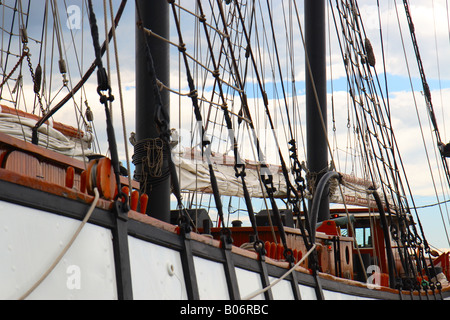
{"x":430,"y":17}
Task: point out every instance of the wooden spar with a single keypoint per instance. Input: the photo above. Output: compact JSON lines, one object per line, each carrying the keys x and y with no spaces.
{"x":155,"y":16}
{"x":316,"y":90}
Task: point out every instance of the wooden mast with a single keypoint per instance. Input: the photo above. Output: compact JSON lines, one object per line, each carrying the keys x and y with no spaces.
{"x":154,"y":16}
{"x":317,"y":147}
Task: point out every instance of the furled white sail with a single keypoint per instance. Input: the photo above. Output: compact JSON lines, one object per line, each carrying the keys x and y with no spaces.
{"x":20,"y":127}
{"x":194,"y":176}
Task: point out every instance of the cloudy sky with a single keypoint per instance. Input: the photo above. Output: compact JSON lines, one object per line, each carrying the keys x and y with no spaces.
{"x":408,"y":109}
{"x":432,"y":32}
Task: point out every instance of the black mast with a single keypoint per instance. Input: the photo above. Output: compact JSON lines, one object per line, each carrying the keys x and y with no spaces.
{"x":317,"y":146}
{"x":154,"y":15}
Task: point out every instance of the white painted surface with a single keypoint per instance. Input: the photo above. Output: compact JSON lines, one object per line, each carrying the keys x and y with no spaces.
{"x":282,"y":290}
{"x":332,"y":295}
{"x":307,"y":293}
{"x":249,"y":282}
{"x":156,"y":272}
{"x":211,"y":279}
{"x":31,"y":240}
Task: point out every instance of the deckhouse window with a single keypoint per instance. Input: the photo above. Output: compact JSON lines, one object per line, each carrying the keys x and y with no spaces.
{"x":363,"y":237}
{"x":363,"y":234}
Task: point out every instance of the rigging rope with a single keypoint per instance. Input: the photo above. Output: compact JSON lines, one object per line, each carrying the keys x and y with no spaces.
{"x":274,"y":283}
{"x":375,"y":122}
{"x":81,"y":83}
{"x":162,"y":121}
{"x":206,"y":151}
{"x":266,"y":176}
{"x":426,"y":87}
{"x":366,"y":101}
{"x":239,"y":165}
{"x":9,"y":75}
{"x":106,"y":97}
{"x":421,"y":131}
{"x":119,"y":80}
{"x":66,"y":248}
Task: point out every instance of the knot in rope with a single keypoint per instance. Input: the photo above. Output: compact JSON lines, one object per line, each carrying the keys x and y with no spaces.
{"x":182,"y":47}
{"x":259,"y":247}
{"x":216,"y":73}
{"x":239,"y":173}
{"x":193,"y":94}
{"x":225,"y":238}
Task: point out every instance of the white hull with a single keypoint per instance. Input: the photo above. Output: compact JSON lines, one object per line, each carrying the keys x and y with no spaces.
{"x":32,"y":239}
{"x":129,"y":256}
{"x":59,"y":241}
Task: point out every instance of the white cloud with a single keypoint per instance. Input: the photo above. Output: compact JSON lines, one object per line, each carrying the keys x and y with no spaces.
{"x":431,"y":25}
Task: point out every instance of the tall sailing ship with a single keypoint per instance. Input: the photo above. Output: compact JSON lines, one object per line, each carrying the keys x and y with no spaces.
{"x":236,"y":188}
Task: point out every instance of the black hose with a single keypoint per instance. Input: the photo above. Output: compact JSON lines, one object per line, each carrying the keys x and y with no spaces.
{"x":316,"y":201}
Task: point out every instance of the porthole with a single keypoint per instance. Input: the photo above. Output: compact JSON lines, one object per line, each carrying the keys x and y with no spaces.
{"x":347,"y":255}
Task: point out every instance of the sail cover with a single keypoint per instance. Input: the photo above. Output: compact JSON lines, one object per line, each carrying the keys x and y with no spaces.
{"x":355,"y":191}
{"x":56,"y":136}
{"x":194,"y":176}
